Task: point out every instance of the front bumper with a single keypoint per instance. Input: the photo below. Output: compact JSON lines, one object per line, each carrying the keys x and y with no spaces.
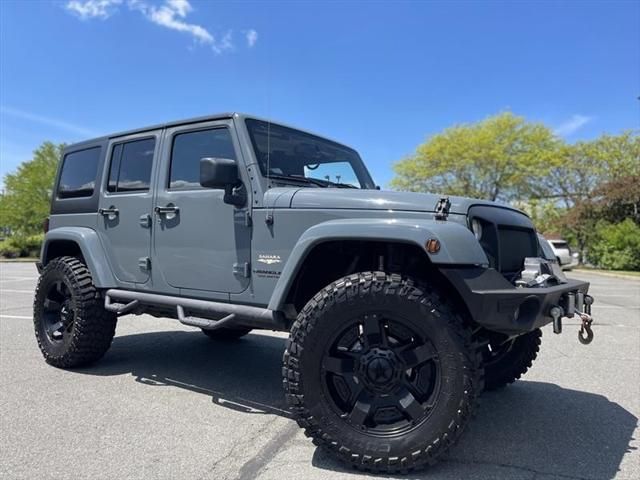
{"x":497,"y":305}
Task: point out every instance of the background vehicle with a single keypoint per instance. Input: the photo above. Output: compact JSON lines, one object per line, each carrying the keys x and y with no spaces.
{"x":401,"y":307}
{"x":566,"y":258}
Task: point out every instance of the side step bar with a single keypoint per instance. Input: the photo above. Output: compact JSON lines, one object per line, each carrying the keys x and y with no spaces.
{"x":126,"y":301}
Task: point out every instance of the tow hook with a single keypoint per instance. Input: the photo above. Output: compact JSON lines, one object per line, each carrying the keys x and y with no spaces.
{"x":569,"y":309}
{"x":586,"y":327}
{"x":587,"y":320}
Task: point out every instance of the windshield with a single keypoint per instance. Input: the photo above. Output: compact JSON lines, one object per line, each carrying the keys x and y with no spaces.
{"x":289,"y":155}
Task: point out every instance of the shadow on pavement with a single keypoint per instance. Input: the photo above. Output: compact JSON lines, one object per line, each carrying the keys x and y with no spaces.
{"x":531,"y":426}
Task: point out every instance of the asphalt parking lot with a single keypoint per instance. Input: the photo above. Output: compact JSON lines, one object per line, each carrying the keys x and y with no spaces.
{"x":166,"y":402}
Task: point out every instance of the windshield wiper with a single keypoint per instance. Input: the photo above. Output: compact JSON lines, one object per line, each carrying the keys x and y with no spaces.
{"x":308,"y":181}
{"x":311,"y":180}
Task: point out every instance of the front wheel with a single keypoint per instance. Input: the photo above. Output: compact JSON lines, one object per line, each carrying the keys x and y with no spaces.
{"x":381,"y":372}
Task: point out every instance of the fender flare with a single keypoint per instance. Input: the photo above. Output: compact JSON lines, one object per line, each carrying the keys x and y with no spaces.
{"x":458,"y":245}
{"x":92,"y":252}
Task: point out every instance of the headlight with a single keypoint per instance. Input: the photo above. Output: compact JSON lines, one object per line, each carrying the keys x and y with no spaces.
{"x":476,"y":227}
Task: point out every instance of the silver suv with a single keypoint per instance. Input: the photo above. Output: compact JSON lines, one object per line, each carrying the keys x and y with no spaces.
{"x":402,"y":307}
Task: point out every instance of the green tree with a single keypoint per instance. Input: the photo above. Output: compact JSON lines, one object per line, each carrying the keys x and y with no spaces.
{"x":597,"y":181}
{"x":26,"y":199}
{"x":616,"y":246}
{"x":502,"y":158}
{"x":587,"y":165}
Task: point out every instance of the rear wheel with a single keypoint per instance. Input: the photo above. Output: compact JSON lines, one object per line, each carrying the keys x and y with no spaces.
{"x":507,"y":362}
{"x":226,"y":333}
{"x":71,"y":325}
{"x":381,"y":372}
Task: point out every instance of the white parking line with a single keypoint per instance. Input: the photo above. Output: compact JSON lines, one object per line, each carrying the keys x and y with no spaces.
{"x":19,"y":317}
{"x":2,"y":290}
{"x":17,"y":279}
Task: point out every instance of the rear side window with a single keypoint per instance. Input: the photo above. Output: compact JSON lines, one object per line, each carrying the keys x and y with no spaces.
{"x":189,"y":148}
{"x":131,"y":164}
{"x":79,"y":170}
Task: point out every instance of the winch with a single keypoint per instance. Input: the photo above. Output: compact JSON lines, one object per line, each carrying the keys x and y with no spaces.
{"x":540,"y":273}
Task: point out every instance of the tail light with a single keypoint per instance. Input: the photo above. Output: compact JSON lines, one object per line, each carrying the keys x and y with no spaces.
{"x":45,"y":225}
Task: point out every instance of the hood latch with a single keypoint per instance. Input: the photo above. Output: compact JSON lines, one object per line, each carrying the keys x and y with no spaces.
{"x":442,"y":208}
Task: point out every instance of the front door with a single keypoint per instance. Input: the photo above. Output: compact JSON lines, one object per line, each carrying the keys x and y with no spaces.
{"x":124,"y":219}
{"x":200,"y":243}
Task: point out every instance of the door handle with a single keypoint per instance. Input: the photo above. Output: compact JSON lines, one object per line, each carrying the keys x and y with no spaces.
{"x":109,"y":212}
{"x":167,"y":209}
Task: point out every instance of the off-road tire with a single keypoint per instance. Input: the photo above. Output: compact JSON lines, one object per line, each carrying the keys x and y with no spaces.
{"x":459,"y":359}
{"x":226,"y":333}
{"x":514,"y":363}
{"x":92,"y":328}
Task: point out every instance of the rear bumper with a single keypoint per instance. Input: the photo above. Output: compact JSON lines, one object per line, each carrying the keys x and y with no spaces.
{"x":497,"y":305}
{"x":569,"y":263}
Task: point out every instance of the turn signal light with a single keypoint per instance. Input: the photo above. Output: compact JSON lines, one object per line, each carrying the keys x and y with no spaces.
{"x":433,"y":245}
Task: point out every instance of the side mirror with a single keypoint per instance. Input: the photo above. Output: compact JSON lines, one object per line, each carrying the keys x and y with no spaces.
{"x":218,"y":172}
{"x":223,"y":173}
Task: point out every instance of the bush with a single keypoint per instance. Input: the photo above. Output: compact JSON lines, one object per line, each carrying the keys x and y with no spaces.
{"x":7,"y":250}
{"x":21,"y":246}
{"x":616,"y":246}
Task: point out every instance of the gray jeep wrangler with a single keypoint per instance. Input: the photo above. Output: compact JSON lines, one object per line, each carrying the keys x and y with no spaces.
{"x":402,"y":307}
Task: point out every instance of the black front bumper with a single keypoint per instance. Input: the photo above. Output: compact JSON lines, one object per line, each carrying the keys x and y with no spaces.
{"x":497,"y":305}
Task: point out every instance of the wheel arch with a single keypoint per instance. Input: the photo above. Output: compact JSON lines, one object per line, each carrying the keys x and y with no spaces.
{"x":369,"y":238}
{"x":81,"y":242}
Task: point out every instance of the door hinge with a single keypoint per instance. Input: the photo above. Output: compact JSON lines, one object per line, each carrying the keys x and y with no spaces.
{"x":247,"y":219}
{"x":145,"y":220}
{"x":442,"y":208}
{"x":242,"y":269}
{"x":144,"y":263}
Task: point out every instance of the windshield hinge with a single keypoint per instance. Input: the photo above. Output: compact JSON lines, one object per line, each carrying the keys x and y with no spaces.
{"x":442,"y":208}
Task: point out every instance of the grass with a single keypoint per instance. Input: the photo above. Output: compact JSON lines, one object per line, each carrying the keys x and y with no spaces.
{"x":19,"y":260}
{"x":615,"y":273}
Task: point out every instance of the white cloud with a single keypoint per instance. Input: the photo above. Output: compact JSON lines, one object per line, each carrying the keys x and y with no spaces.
{"x":86,"y":9}
{"x":49,"y":121}
{"x":171,"y":14}
{"x":571,"y":126}
{"x":252,"y":37}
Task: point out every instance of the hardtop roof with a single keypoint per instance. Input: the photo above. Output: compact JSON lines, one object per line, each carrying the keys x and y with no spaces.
{"x":175,"y":123}
{"x":217,"y":116}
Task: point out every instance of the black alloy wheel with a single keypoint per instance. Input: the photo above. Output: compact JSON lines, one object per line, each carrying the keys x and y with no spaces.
{"x":382,"y":372}
{"x":71,"y":325}
{"x":380,"y":376}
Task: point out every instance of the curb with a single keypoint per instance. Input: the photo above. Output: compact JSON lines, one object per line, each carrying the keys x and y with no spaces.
{"x":608,"y":274}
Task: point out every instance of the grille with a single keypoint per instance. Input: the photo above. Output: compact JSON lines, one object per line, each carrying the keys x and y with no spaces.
{"x":507,"y":238}
{"x":514,"y":245}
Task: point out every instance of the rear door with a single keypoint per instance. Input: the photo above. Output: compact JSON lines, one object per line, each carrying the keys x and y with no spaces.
{"x":126,"y":205}
{"x":201,"y":244}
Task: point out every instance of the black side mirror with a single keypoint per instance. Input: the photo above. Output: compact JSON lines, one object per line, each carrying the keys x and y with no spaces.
{"x":223,"y":173}
{"x":218,"y":172}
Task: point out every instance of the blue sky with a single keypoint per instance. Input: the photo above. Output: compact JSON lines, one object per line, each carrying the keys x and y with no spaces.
{"x":378,"y":76}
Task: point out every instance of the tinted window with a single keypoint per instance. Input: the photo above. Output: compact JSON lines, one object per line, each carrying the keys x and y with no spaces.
{"x":78,"y":177}
{"x":131,"y":164}
{"x":189,"y":148}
